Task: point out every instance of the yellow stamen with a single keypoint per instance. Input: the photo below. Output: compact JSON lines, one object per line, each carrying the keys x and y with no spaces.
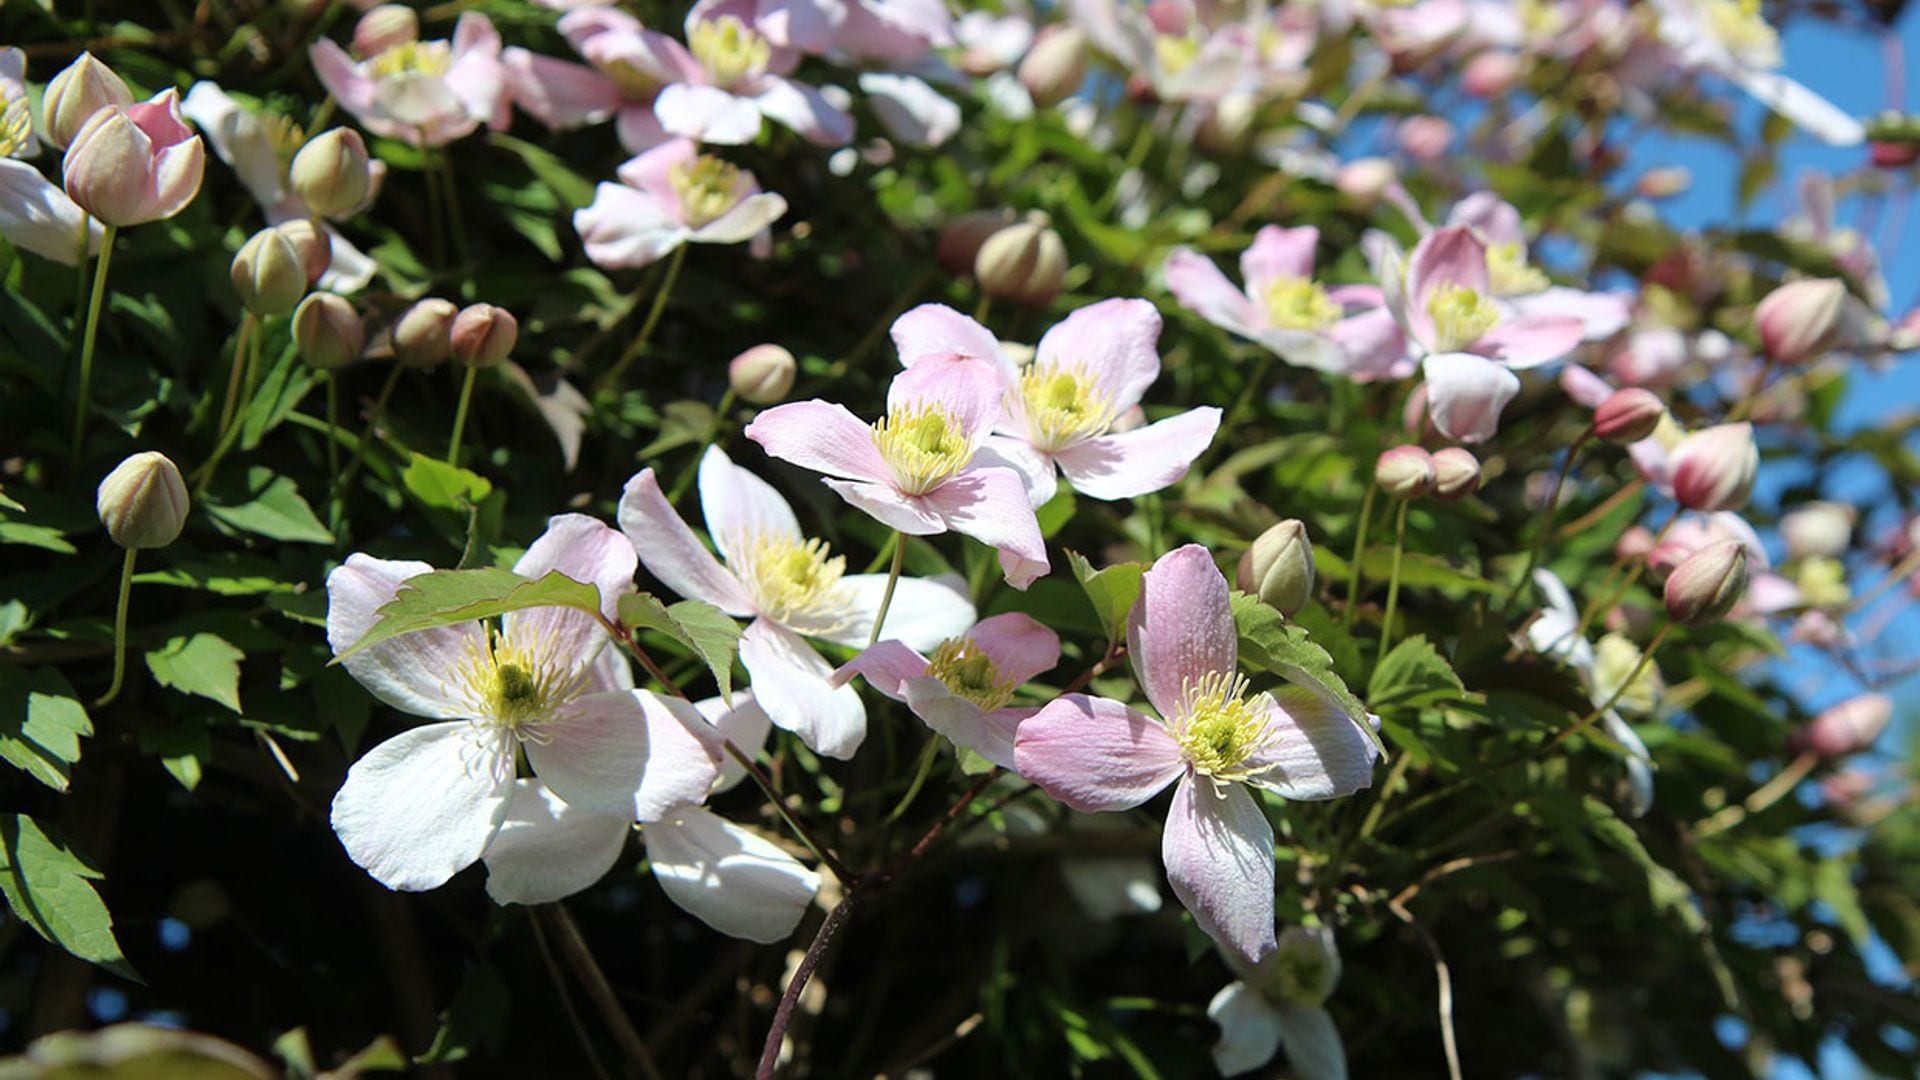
{"x":1220,"y":730}
{"x":1299,"y":304}
{"x":1063,"y":406}
{"x":1460,"y":316}
{"x":1175,"y":53}
{"x":1509,"y":274}
{"x":514,"y":687}
{"x":728,"y":49}
{"x":923,"y":446}
{"x":793,"y":582}
{"x":285,"y":136}
{"x":1744,"y":31}
{"x":707,"y":186}
{"x":633,"y":80}
{"x":412,"y":58}
{"x":16,"y":127}
{"x":970,"y":673}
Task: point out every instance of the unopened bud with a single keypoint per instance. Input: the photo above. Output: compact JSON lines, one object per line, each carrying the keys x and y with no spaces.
{"x":383,"y":27}
{"x":1456,"y":474}
{"x":328,"y":331}
{"x":762,"y":375}
{"x":1713,"y":469}
{"x":1405,"y":472}
{"x":143,"y":501}
{"x":1707,"y":584}
{"x":1849,"y":727}
{"x":1627,"y":416}
{"x":313,"y":244}
{"x":1491,"y":74}
{"x":1893,"y":155}
{"x":1024,"y":262}
{"x":332,"y":174}
{"x":1636,"y":543}
{"x":1818,"y":529}
{"x":1663,"y":182}
{"x":268,"y":274}
{"x":1364,"y":180}
{"x":1056,"y":66}
{"x":423,"y":335}
{"x":83,"y":88}
{"x":1801,"y":320}
{"x":959,"y":243}
{"x":1424,"y":138}
{"x":484,"y":335}
{"x":1278,"y":568}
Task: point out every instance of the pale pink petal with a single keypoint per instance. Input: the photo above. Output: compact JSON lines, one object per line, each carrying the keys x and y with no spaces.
{"x":652,"y":171}
{"x":1374,"y":344}
{"x":623,"y":228}
{"x":1114,"y":341}
{"x":474,"y":73}
{"x":610,"y":670}
{"x":886,"y":667}
{"x":341,"y":76}
{"x":639,"y":129}
{"x":1096,"y":754}
{"x":422,"y":806}
{"x":821,"y":436}
{"x":633,"y":753}
{"x":790,"y":681}
{"x":1038,"y":473}
{"x":745,"y":725}
{"x":1584,"y":387}
{"x":749,"y":217}
{"x":1449,"y":256}
{"x":585,"y":550}
{"x":1181,"y":629}
{"x":708,"y":114}
{"x":36,"y":215}
{"x":909,"y":514}
{"x":991,"y":506}
{"x":547,"y":849}
{"x":1133,"y":463}
{"x":1601,"y":314}
{"x":1278,"y":254}
{"x":1201,"y":288}
{"x":411,"y":671}
{"x":740,"y":507}
{"x":1218,"y":849}
{"x":587,"y":23}
{"x":959,"y":721}
{"x":177,"y":173}
{"x":967,"y":388}
{"x":807,"y":25}
{"x":670,"y":551}
{"x":1530,"y":340}
{"x":938,"y":330}
{"x":557,"y":93}
{"x":1466,"y":393}
{"x":1319,"y":751}
{"x":1492,"y":217}
{"x":1020,"y":646}
{"x":727,"y":877}
{"x":241,"y":139}
{"x":803,"y":109}
{"x":912,"y":112}
{"x":924,"y":611}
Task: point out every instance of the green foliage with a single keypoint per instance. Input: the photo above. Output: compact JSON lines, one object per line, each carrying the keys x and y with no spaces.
{"x":49,"y":888}
{"x":711,"y":634}
{"x":449,"y":597}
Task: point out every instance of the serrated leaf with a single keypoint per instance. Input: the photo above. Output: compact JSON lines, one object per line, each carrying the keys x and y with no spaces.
{"x":443,"y":486}
{"x":445,"y":597}
{"x":41,"y":725}
{"x":1414,"y":674}
{"x":711,"y":633}
{"x":204,"y":664}
{"x":1111,"y":591}
{"x":276,"y":511}
{"x":183,"y":747}
{"x":1269,"y":642}
{"x":47,"y":886}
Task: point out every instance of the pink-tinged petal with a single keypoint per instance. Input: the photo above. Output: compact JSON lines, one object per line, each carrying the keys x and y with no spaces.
{"x":557,"y":93}
{"x":886,"y":667}
{"x":1218,"y":849}
{"x":36,"y":215}
{"x":806,"y":25}
{"x":670,"y":551}
{"x":1095,"y":754}
{"x":802,"y":109}
{"x":1020,"y":646}
{"x":1181,"y":629}
{"x":909,"y":514}
{"x":1201,"y":288}
{"x":609,"y":671}
{"x":745,"y":725}
{"x":912,"y":112}
{"x":1319,"y":752}
{"x":623,"y":228}
{"x":1249,"y":1029}
{"x":409,"y":672}
{"x":1491,"y":217}
{"x":1143,"y":460}
{"x":585,"y":550}
{"x":177,"y":173}
{"x":821,"y":436}
{"x":1450,"y":256}
{"x":924,"y":612}
{"x":586,"y":23}
{"x":1584,"y":387}
{"x":1038,"y":473}
{"x":548,"y":849}
{"x":790,"y":681}
{"x":1466,"y":393}
{"x":740,"y":507}
{"x":727,"y":877}
{"x":341,"y":76}
{"x":1374,"y":344}
{"x":1278,"y":254}
{"x":1357,"y":298}
{"x":991,"y":506}
{"x":708,"y":114}
{"x":938,"y":330}
{"x":639,"y":129}
{"x":967,"y":388}
{"x":240,"y":139}
{"x":652,"y":171}
{"x":425,"y":102}
{"x":631,"y":753}
{"x":961,"y":722}
{"x":1601,"y":314}
{"x":749,"y":218}
{"x":1114,"y":341}
{"x":422,"y":806}
{"x":1531,"y":340}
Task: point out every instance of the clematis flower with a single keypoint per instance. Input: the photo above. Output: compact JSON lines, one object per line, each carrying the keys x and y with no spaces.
{"x":427,"y":93}
{"x":34,"y":213}
{"x":1170,"y":49}
{"x":132,"y":164}
{"x":894,"y":33}
{"x":963,"y":690}
{"x":1555,"y":632}
{"x":1523,"y":287}
{"x":792,"y":589}
{"x":1279,"y":1003}
{"x":1212,"y":741}
{"x":1343,"y":330}
{"x":17,"y":138}
{"x":739,"y":77}
{"x":427,"y":803}
{"x":669,"y":196}
{"x":921,"y":468}
{"x":627,"y":67}
{"x":1732,"y":39}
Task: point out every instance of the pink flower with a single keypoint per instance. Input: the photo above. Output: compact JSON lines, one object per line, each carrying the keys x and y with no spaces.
{"x":1170,"y":49}
{"x":425,"y":804}
{"x":131,"y":164}
{"x":1212,"y":740}
{"x":669,"y":196}
{"x":1343,"y":330}
{"x":1497,"y":225}
{"x":427,"y":93}
{"x":627,"y":67}
{"x":920,"y":469}
{"x":896,"y":33}
{"x":963,"y":690}
{"x":740,"y":76}
{"x":791,"y":588}
{"x":1060,"y":410}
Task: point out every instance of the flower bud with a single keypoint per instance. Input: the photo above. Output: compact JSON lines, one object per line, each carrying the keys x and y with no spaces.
{"x":268,"y":274}
{"x":1801,"y":320}
{"x":383,"y":27}
{"x":332,"y":173}
{"x":1893,"y":155}
{"x":1364,"y":180}
{"x":1424,"y":138}
{"x":1707,"y":583}
{"x":328,"y":331}
{"x":315,"y":247}
{"x":1627,"y":416}
{"x":1278,"y":568}
{"x":1849,"y":727}
{"x":1713,"y":468}
{"x":143,"y":501}
{"x":1456,"y":474}
{"x":131,"y":164}
{"x":1405,"y":472}
{"x":762,"y":375}
{"x":1818,"y":529}
{"x":1056,"y":66}
{"x":1663,"y":182}
{"x":85,"y":87}
{"x":1025,"y":263}
{"x":1635,"y":543}
{"x":959,"y":243}
{"x":423,"y":335}
{"x":1491,"y":74}
{"x":483,"y":335}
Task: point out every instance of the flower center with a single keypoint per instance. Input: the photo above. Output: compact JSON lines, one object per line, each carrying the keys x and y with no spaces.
{"x":792,"y":581}
{"x":1299,"y":304}
{"x":970,"y":673}
{"x":16,"y":127}
{"x":285,"y":136}
{"x":1175,"y":53}
{"x":412,"y":58}
{"x":706,"y":186}
{"x":728,"y":49}
{"x":1460,"y":316}
{"x":924,"y":446}
{"x":633,"y":80}
{"x":515,"y":687}
{"x":1063,"y":407}
{"x":1509,"y":274}
{"x":1744,"y":31}
{"x":1541,"y":20}
{"x":1220,"y":729}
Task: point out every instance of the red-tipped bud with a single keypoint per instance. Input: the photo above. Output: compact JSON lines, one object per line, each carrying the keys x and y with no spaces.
{"x":1456,"y":474}
{"x":762,"y":375}
{"x":1801,"y":320}
{"x":1405,"y":472}
{"x":1663,"y":183}
{"x":483,"y":335}
{"x":1707,"y":584}
{"x":1713,"y":468}
{"x":1627,"y":416}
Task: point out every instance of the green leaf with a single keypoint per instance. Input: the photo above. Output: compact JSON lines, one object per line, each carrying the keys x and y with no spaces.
{"x":443,"y":486}
{"x":474,"y":1021}
{"x":1833,"y":886}
{"x":1111,"y":591}
{"x":572,"y":189}
{"x":276,"y":511}
{"x":204,"y":664}
{"x":45,"y":537}
{"x":1413,"y":675}
{"x":1269,"y":642}
{"x":446,"y":597}
{"x":1054,"y":514}
{"x":47,"y":886}
{"x":41,"y":725}
{"x":281,"y":392}
{"x":711,"y":633}
{"x":183,"y":747}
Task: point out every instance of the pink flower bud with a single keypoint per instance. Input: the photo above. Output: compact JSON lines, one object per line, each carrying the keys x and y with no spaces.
{"x":383,"y":27}
{"x":1707,"y":584}
{"x":268,"y":273}
{"x":1627,"y":416}
{"x":1635,"y":543}
{"x":1893,"y":155}
{"x":1424,"y":138}
{"x":960,"y":241}
{"x":143,"y":501}
{"x":1405,"y":472}
{"x":483,"y":335}
{"x":1456,"y":474}
{"x":332,"y":173}
{"x":83,"y":88}
{"x":1025,"y":263}
{"x":423,"y":336}
{"x":328,"y":331}
{"x":1278,"y":567}
{"x":1849,"y":727}
{"x":1801,"y":320}
{"x":1364,"y":180}
{"x":1713,"y":468}
{"x":1663,"y":183}
{"x":132,"y":164}
{"x":762,"y":375}
{"x":1056,"y":66}
{"x":1491,"y":74}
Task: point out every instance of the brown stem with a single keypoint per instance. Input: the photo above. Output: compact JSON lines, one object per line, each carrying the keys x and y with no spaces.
{"x":783,"y":1015}
{"x":599,"y":991}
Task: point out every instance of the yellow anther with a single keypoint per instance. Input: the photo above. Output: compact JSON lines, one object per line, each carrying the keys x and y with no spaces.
{"x":1460,"y":316}
{"x":728,"y":49}
{"x":412,"y":58}
{"x":1220,"y":730}
{"x":1744,"y":31}
{"x":1509,"y":274}
{"x":793,"y":582}
{"x":923,"y":446}
{"x":16,"y":127}
{"x":633,"y":80}
{"x":970,"y":673}
{"x":1299,"y":304}
{"x":707,"y":186}
{"x":515,"y":686}
{"x":1175,"y":53}
{"x":1063,"y":406}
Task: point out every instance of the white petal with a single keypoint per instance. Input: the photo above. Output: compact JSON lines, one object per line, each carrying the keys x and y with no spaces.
{"x":414,"y":672}
{"x":790,"y":682}
{"x":422,"y":806}
{"x":547,"y":849}
{"x":1249,"y":1030}
{"x":924,"y":612}
{"x":729,"y":878}
{"x":632,"y":752}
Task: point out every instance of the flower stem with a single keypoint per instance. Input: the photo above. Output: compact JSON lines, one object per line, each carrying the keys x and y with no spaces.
{"x":366,"y":436}
{"x":923,"y":770}
{"x":1393,"y":581}
{"x":460,"y":415}
{"x":574,"y":947}
{"x":893,"y":579}
{"x":719,"y":421}
{"x":1585,"y":722}
{"x":241,"y":342}
{"x":456,"y":223}
{"x":333,"y":423}
{"x":244,"y":372}
{"x":1545,"y":530}
{"x":783,"y":1015}
{"x":120,"y":631}
{"x":639,"y":344}
{"x":1769,"y":793}
{"x":86,"y":343}
{"x":1359,"y":548}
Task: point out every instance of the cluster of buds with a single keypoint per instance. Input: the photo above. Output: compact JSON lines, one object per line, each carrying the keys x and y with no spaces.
{"x":1409,"y":472}
{"x":127,"y":163}
{"x":277,"y":265}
